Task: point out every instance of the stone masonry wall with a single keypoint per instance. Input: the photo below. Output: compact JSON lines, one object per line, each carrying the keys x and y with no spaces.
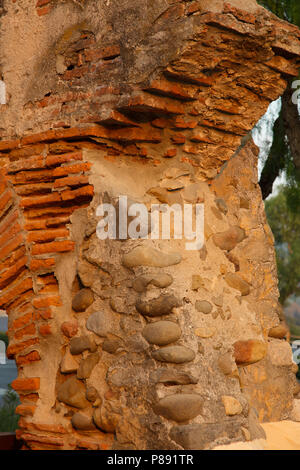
{"x":140,"y":344}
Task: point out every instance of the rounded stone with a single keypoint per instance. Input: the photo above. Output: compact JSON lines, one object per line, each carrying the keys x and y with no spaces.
{"x":72,"y":392}
{"x":87,"y":365}
{"x":205,"y":332}
{"x":91,"y":393}
{"x":82,"y":422}
{"x":82,"y":300}
{"x":179,"y":407}
{"x":69,"y":328}
{"x":279,"y":331}
{"x":249,"y":352}
{"x":173,"y":377}
{"x":174,"y":354}
{"x":147,"y":256}
{"x":230,"y":238}
{"x":105,"y":422}
{"x":161,"y":332}
{"x":162,"y":305}
{"x":100,"y":323}
{"x":236,"y":282}
{"x":203,"y":306}
{"x":111,"y":345}
{"x":82,"y":343}
{"x":232,"y":405}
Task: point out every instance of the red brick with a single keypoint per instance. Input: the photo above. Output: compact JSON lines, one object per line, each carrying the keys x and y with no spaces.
{"x":55,"y":160}
{"x":173,"y":89}
{"x":22,"y":321}
{"x":5,"y":199}
{"x":13,"y":258}
{"x":43,"y":11}
{"x":145,"y":102}
{"x":161,"y":123}
{"x":32,"y":176}
{"x":241,"y":15}
{"x":55,"y":428}
{"x":108,"y":52}
{"x":20,"y":300}
{"x":26,"y":331}
{"x":71,"y":181}
{"x":85,"y":191}
{"x":16,"y":348}
{"x":11,"y":246}
{"x":31,"y":163}
{"x":32,"y":201}
{"x":41,"y":264}
{"x":170,"y":153}
{"x":29,"y":397}
{"x":45,"y":330}
{"x":54,"y":441}
{"x":47,"y":235}
{"x":10,"y":218}
{"x":71,"y":169}
{"x":53,"y":247}
{"x":33,"y":356}
{"x":11,"y":273}
{"x":34,"y":188}
{"x":47,"y":302}
{"x":13,"y":230}
{"x":25,"y":410}
{"x":28,"y":384}
{"x":178,"y":139}
{"x":15,"y":291}
{"x":184,"y":123}
{"x":9,"y":144}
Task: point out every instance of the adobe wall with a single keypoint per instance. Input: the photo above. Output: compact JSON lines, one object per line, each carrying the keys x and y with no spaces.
{"x":140,"y":344}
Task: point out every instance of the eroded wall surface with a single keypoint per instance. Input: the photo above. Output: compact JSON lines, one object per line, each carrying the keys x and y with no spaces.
{"x":140,"y":344}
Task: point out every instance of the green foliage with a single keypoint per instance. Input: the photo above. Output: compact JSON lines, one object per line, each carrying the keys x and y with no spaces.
{"x":4,"y":337}
{"x":8,"y":418}
{"x":288,"y":10}
{"x":285,"y":224}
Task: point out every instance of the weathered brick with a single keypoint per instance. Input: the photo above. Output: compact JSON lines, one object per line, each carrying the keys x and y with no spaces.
{"x":28,"y":397}
{"x":170,"y":153}
{"x":8,"y":220}
{"x":47,"y":301}
{"x":71,"y":169}
{"x":47,"y":235}
{"x":175,"y":90}
{"x":34,"y":188}
{"x":15,"y":291}
{"x":71,"y":181}
{"x":16,"y":348}
{"x":28,"y":384}
{"x":25,"y":410}
{"x":29,"y":330}
{"x":33,"y":201}
{"x":11,"y":273}
{"x":22,"y":321}
{"x":85,"y":191}
{"x":69,"y":328}
{"x":145,"y":102}
{"x":33,"y":356}
{"x":13,"y":258}
{"x":41,"y":264}
{"x":53,"y":247}
{"x":45,"y":330}
{"x":108,"y":52}
{"x":55,"y":160}
{"x":5,"y":199}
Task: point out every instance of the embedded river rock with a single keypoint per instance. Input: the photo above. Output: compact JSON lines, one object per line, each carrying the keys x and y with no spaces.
{"x":141,"y":343}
